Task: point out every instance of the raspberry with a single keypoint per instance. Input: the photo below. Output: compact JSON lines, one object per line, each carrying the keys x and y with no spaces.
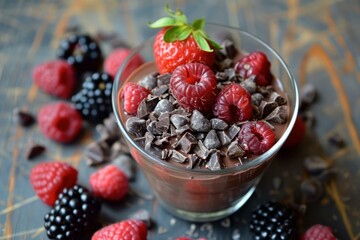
{"x":256,"y":137}
{"x":255,"y":64}
{"x":233,"y":104}
{"x":109,"y":183}
{"x":297,"y":133}
{"x":133,"y":94}
{"x":50,"y":178}
{"x":194,"y":86}
{"x":60,"y":122}
{"x":116,"y":58}
{"x":56,"y":78}
{"x":127,"y":229}
{"x":318,"y":232}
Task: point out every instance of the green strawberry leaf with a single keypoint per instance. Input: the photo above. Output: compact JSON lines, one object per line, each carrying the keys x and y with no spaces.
{"x":172,"y":33}
{"x":163,"y":22}
{"x":213,"y":43}
{"x":198,"y":24}
{"x":178,"y":14}
{"x":201,"y":42}
{"x":184,"y":33}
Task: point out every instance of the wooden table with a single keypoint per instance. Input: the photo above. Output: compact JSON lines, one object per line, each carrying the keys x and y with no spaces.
{"x":318,"y":39}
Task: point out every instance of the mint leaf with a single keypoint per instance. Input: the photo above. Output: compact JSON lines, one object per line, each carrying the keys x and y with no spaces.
{"x":163,"y":22}
{"x":202,"y":42}
{"x":198,"y":24}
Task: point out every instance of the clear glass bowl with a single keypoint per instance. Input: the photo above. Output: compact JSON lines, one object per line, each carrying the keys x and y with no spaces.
{"x":204,"y":195}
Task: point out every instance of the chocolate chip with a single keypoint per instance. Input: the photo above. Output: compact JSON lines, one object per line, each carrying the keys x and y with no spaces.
{"x":165,"y":153}
{"x":142,"y":215}
{"x":249,"y":85}
{"x":276,"y":97}
{"x":265,"y":91}
{"x":179,"y":120}
{"x":182,"y":129}
{"x":234,"y":150}
{"x":336,"y":140}
{"x":164,"y":105}
{"x":193,"y":160}
{"x":199,"y":123}
{"x":229,"y":48}
{"x":163,"y":79}
{"x":233,"y":131}
{"x":160,"y":91}
{"x":312,"y":190}
{"x":211,"y":140}
{"x":161,"y":142}
{"x":135,"y":125}
{"x":153,"y":129}
{"x":201,"y":151}
{"x":200,"y":136}
{"x":186,"y":142}
{"x":177,"y":156}
{"x":218,"y":124}
{"x":267,"y":107}
{"x":125,"y":163}
{"x":163,"y":123}
{"x":221,"y":76}
{"x":278,"y":115}
{"x":233,"y":76}
{"x":34,"y":150}
{"x":308,"y":94}
{"x":214,"y":162}
{"x":149,"y":138}
{"x":315,"y":164}
{"x":23,"y":117}
{"x":224,"y":138}
{"x":256,"y":99}
{"x":146,"y":107}
{"x":149,"y":81}
{"x":97,"y":153}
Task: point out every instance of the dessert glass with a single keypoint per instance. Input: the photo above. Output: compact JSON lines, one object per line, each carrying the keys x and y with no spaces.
{"x":200,"y":194}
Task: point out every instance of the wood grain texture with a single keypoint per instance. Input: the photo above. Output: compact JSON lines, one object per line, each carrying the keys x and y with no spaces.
{"x":319,"y":40}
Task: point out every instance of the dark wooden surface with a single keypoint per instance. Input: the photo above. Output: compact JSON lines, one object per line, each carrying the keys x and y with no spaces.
{"x":318,"y":39}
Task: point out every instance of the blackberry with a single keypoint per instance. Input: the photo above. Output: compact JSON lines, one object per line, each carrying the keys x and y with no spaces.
{"x":273,"y":220}
{"x":93,"y":101}
{"x":82,"y":52}
{"x":74,"y":211}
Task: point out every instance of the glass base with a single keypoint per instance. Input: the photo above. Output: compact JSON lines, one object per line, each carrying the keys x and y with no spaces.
{"x":207,"y":217}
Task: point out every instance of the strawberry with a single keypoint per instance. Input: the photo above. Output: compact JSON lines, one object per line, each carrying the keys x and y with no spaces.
{"x":179,"y":42}
{"x":50,"y":178}
{"x":127,"y":229}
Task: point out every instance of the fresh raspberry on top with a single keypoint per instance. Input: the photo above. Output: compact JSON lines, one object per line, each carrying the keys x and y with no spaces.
{"x":133,"y":94}
{"x":318,"y":232}
{"x":256,"y":137}
{"x":60,"y":122}
{"x":127,"y":229}
{"x":297,"y":133}
{"x":116,"y":58}
{"x":56,"y":78}
{"x":256,"y":64}
{"x":109,"y":183}
{"x":233,"y":104}
{"x":194,"y":86}
{"x":50,"y":178}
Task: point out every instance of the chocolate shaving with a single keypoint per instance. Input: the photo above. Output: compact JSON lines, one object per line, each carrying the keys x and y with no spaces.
{"x":267,"y":107}
{"x":24,"y":118}
{"x":149,"y":81}
{"x":179,"y":120}
{"x":149,"y":138}
{"x":200,"y":136}
{"x":256,"y":99}
{"x":234,"y":150}
{"x":164,"y":122}
{"x":97,"y":153}
{"x":199,"y":123}
{"x":218,"y":124}
{"x":165,"y":153}
{"x":279,"y":115}
{"x":177,"y":156}
{"x":212,"y":141}
{"x":224,"y":138}
{"x":186,"y":142}
{"x":233,"y":131}
{"x":34,"y":150}
{"x":117,"y":148}
{"x":164,"y":105}
{"x":161,"y":142}
{"x":201,"y":151}
{"x":220,"y":56}
{"x":146,"y":107}
{"x":193,"y":160}
{"x":214,"y":162}
{"x":249,"y":85}
{"x":229,"y":49}
{"x":153,"y":128}
{"x":233,"y":76}
{"x":163,"y":79}
{"x":161,"y":90}
{"x":182,"y":129}
{"x":275,"y":97}
{"x":136,"y":126}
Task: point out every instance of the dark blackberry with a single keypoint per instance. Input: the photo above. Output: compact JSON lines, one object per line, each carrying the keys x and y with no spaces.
{"x":82,"y":52}
{"x":273,"y":220}
{"x":74,"y":211}
{"x":93,"y":101}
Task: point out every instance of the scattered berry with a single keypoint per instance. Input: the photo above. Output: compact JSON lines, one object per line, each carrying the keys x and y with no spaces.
{"x":109,"y":183}
{"x":127,"y":229}
{"x":273,"y":221}
{"x":74,"y":211}
{"x":297,"y":133}
{"x":50,"y":178}
{"x":93,"y":101}
{"x":233,"y":104}
{"x":116,"y":58}
{"x":60,"y":121}
{"x":255,"y":64}
{"x":256,"y":137}
{"x":56,"y":78}
{"x":194,"y":86}
{"x":318,"y":232}
{"x":133,"y":94}
{"x":82,"y":52}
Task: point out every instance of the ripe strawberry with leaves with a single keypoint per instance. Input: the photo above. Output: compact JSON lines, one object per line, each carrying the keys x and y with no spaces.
{"x":179,"y":42}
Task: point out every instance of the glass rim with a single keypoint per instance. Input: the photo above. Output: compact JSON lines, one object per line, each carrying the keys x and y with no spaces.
{"x":243,"y":167}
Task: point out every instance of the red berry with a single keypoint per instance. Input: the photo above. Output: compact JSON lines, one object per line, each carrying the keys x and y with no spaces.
{"x":109,"y":183}
{"x":194,"y":86}
{"x":116,"y":58}
{"x":257,"y":64}
{"x":60,"y":122}
{"x":256,"y":137}
{"x":56,"y":78}
{"x":133,"y":94}
{"x":168,"y":56}
{"x":49,"y":179}
{"x":233,"y":104}
{"x":318,"y":232}
{"x":297,"y":133}
{"x":127,"y":229}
